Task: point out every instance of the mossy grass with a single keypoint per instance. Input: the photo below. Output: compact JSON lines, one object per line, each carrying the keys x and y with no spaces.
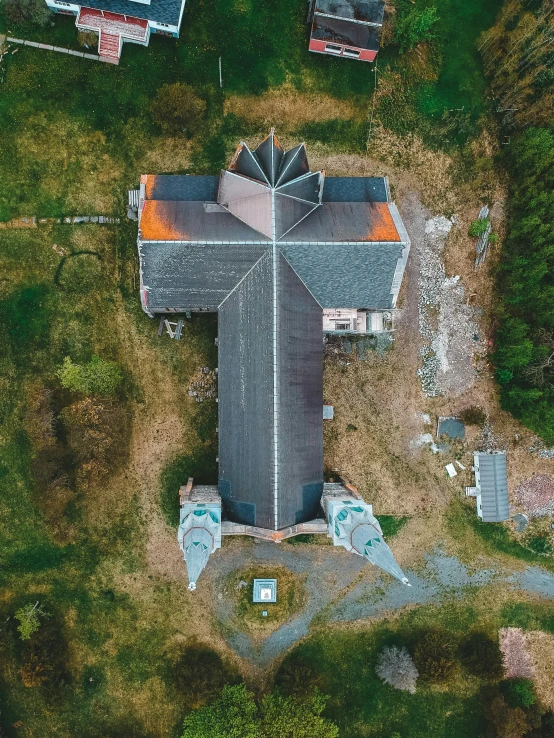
{"x":291,"y":597}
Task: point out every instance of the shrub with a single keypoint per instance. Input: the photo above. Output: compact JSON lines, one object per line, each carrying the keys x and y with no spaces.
{"x":200,"y":675}
{"x":29,"y":621}
{"x":478,"y":227}
{"x":27,"y":12}
{"x":295,"y":718}
{"x":98,"y":377}
{"x":519,"y":692}
{"x":177,"y":109}
{"x":97,"y":437}
{"x":414,"y":27}
{"x":233,"y":714}
{"x":505,"y":721}
{"x":237,"y":715}
{"x":434,"y":656}
{"x":297,"y":677}
{"x":395,"y":667}
{"x":473,"y":416}
{"x":481,"y":656}
{"x":88,"y":39}
{"x":44,"y":660}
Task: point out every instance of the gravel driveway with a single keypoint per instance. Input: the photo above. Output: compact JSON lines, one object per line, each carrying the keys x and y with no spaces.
{"x":342,"y":587}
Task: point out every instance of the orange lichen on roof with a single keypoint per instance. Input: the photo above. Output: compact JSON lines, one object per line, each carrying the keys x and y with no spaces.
{"x":149,"y":182}
{"x":381,"y":224}
{"x":155,"y":224}
{"x":233,"y":164}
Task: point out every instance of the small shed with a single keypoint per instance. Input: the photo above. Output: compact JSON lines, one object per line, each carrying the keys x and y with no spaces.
{"x":491,"y":486}
{"x":265,"y":590}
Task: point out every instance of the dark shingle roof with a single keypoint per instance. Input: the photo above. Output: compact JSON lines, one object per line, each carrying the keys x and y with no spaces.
{"x":245,"y":391}
{"x":355,"y":189}
{"x":353,"y":276}
{"x":164,"y":220}
{"x":494,"y":487}
{"x":334,"y":30}
{"x":257,"y":449}
{"x":300,"y":400}
{"x":368,"y":11}
{"x":161,"y":11}
{"x":189,"y":276}
{"x":181,"y":187}
{"x":346,"y":221}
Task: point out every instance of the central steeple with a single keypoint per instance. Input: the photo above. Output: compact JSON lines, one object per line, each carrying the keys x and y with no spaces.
{"x":270,"y":189}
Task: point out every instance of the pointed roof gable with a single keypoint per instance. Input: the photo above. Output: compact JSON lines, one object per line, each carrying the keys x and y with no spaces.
{"x":246,"y":163}
{"x":269,"y":154}
{"x":294,"y":164}
{"x":255,"y":211}
{"x":351,"y":524}
{"x":309,"y":187}
{"x":288,"y":213}
{"x":269,"y":189}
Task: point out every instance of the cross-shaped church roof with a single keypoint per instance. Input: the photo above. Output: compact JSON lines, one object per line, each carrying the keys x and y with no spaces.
{"x":268,"y":245}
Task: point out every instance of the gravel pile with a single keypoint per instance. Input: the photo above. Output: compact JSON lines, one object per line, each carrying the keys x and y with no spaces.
{"x":537,"y":495}
{"x":447,"y":325}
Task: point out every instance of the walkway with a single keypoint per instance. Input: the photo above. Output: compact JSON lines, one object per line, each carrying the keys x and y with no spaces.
{"x":342,"y":588}
{"x":61,"y":50}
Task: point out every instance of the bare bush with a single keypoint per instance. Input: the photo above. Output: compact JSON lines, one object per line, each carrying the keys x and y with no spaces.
{"x":514,"y":653}
{"x":96,"y":436}
{"x":395,"y":667}
{"x":39,"y":418}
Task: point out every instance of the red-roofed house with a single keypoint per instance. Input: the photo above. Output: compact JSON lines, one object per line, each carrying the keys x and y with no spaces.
{"x":117,"y":21}
{"x":349,"y":28}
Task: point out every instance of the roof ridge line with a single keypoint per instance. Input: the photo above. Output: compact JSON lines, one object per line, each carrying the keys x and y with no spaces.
{"x":301,"y":177}
{"x":298,"y":199}
{"x":241,"y":280}
{"x":315,"y":206}
{"x":275,"y":346}
{"x":298,"y":148}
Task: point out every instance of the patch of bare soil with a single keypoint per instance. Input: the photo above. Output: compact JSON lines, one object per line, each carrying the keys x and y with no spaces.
{"x":286,"y":108}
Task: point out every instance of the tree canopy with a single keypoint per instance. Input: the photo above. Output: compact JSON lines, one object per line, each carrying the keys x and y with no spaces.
{"x":236,"y":714}
{"x":177,"y":109}
{"x":524,"y":356}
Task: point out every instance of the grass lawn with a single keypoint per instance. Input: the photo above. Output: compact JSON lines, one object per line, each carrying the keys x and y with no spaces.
{"x":70,"y":541}
{"x":362,"y":705}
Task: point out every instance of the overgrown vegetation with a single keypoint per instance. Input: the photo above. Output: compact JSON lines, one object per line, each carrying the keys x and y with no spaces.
{"x":374,"y":686}
{"x":518,"y":60}
{"x":237,"y":713}
{"x":177,"y":109}
{"x":524,"y":355}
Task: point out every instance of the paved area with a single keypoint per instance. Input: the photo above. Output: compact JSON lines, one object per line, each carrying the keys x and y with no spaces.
{"x":342,"y":587}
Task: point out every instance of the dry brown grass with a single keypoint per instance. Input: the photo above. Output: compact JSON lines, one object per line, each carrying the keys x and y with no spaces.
{"x":286,"y":108}
{"x":540,"y":647}
{"x":165,"y":154}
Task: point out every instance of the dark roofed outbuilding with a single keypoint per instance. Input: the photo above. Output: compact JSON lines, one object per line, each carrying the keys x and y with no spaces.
{"x":492,"y":486}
